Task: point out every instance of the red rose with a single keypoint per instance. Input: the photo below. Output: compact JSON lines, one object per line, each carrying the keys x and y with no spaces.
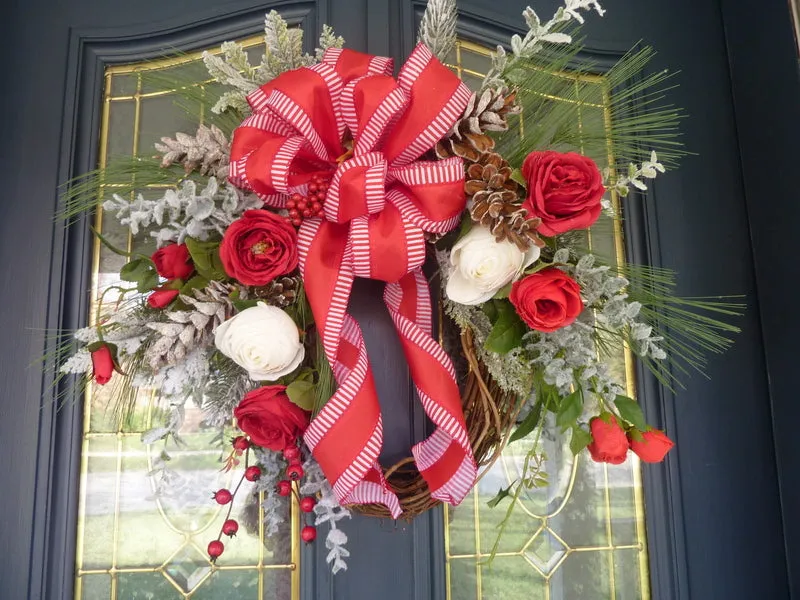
{"x":547,"y":300}
{"x":270,"y":418}
{"x":258,"y":247}
{"x":564,"y":190}
{"x":654,"y":447}
{"x":102,"y":364}
{"x":173,"y":262}
{"x":160,"y":298}
{"x":610,"y":443}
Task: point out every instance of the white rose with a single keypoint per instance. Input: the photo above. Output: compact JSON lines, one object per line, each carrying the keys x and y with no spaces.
{"x":482,"y":265}
{"x":263,"y":340}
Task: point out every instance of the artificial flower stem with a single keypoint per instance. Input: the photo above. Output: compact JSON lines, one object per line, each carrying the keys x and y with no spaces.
{"x":233,"y":494}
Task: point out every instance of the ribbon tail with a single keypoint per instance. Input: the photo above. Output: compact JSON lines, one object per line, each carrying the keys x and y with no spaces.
{"x":445,"y":458}
{"x":347,"y":435}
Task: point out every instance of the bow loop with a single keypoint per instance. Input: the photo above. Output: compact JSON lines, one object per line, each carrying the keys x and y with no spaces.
{"x":357,"y":188}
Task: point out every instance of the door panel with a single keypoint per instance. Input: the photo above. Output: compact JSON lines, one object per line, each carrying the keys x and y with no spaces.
{"x":713,"y":508}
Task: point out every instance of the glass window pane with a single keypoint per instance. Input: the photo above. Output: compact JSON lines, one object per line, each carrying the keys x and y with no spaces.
{"x":582,"y":535}
{"x":145,"y":521}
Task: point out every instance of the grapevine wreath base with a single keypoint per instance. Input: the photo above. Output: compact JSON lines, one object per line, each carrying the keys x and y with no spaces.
{"x":490,"y":414}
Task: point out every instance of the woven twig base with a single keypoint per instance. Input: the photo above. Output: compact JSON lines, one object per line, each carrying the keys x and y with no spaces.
{"x":489,"y":413}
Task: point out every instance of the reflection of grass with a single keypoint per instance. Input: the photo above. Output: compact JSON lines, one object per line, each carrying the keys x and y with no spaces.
{"x":582,"y":575}
{"x":199,"y":453}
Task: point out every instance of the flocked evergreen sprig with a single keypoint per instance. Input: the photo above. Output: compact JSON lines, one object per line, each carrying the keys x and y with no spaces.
{"x":437,"y":29}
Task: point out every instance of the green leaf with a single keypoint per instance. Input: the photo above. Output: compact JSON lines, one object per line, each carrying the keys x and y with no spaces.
{"x":501,"y":495}
{"x":205,"y":256}
{"x":142,"y":272}
{"x":579,"y":440}
{"x":490,"y":310}
{"x":241,"y":305}
{"x":503,"y":292}
{"x":569,"y":410}
{"x":301,"y":392}
{"x":630,"y":410}
{"x":517,"y":176}
{"x":507,"y":330}
{"x":528,"y":424}
{"x":198,"y":282}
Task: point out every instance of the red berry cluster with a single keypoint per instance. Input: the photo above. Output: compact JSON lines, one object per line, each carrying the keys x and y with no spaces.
{"x":294,"y":472}
{"x":305,"y":207}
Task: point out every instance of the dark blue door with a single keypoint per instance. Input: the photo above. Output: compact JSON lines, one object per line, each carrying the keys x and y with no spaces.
{"x":721,"y":512}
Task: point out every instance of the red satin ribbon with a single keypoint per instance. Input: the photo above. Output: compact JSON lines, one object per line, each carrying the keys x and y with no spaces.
{"x":380,"y":201}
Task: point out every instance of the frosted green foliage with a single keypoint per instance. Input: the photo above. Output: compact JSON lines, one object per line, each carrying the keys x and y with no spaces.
{"x":635,"y":175}
{"x":438,"y":27}
{"x":275,"y":507}
{"x":284,"y":52}
{"x":328,"y":39}
{"x":185,"y":211}
{"x":537,"y":36}
{"x":327,"y":510}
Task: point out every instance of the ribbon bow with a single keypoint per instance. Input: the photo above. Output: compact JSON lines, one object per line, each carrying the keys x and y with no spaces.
{"x":348,"y":121}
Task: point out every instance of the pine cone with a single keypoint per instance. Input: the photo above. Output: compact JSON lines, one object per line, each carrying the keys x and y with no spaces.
{"x":207,"y":152}
{"x":281,"y":293}
{"x":488,"y":112}
{"x":185,"y":330}
{"x":496,"y":203}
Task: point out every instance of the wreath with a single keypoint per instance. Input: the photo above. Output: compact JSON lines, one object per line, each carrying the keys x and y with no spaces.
{"x":316,"y":170}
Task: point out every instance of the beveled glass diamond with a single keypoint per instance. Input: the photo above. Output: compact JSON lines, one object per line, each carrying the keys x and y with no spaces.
{"x":545,"y":551}
{"x":187,"y":568}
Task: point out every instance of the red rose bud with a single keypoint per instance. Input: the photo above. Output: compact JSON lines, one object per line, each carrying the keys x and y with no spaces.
{"x":102,"y":365}
{"x":270,"y":419}
{"x":173,"y":262}
{"x":294,"y":472}
{"x":258,"y":247}
{"x":309,"y":534}
{"x":252,"y":473}
{"x":653,"y":447}
{"x":610,"y":443}
{"x":161,"y":298}
{"x":564,"y":191}
{"x":222,"y":496}
{"x":547,"y":300}
{"x":230,"y":527}
{"x":307,"y":504}
{"x":241,"y":443}
{"x":291,"y":453}
{"x":215,"y":549}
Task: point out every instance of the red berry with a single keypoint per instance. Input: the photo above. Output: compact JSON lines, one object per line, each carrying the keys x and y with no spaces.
{"x":222,"y":496}
{"x":307,"y":504}
{"x":294,"y":472}
{"x":215,"y":548}
{"x":230,"y":527}
{"x":294,"y":213}
{"x":296,"y":197}
{"x":306,"y":213}
{"x":321,"y":196}
{"x":290,"y":204}
{"x":317,"y":179}
{"x":309,"y":533}
{"x":284,"y":488}
{"x":316,"y":207}
{"x":241,"y":443}
{"x":291,"y":453}
{"x":312,"y":187}
{"x":297,"y":221}
{"x":252,"y":473}
{"x":322,"y":188}
{"x":301,"y":206}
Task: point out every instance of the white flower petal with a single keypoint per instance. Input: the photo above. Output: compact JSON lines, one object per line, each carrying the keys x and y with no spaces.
{"x":462,"y":290}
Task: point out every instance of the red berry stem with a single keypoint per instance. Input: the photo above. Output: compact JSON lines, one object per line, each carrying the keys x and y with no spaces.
{"x":233,"y":494}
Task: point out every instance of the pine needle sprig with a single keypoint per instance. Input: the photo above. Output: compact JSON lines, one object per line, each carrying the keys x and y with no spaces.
{"x":122,"y":175}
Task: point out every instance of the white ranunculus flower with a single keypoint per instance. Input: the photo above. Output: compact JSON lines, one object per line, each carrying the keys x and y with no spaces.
{"x":263,"y":340}
{"x":482,"y":265}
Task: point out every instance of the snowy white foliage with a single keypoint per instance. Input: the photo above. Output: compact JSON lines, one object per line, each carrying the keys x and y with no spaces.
{"x":275,"y":507}
{"x":327,"y":510}
{"x":438,"y":27}
{"x":184,"y":212}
